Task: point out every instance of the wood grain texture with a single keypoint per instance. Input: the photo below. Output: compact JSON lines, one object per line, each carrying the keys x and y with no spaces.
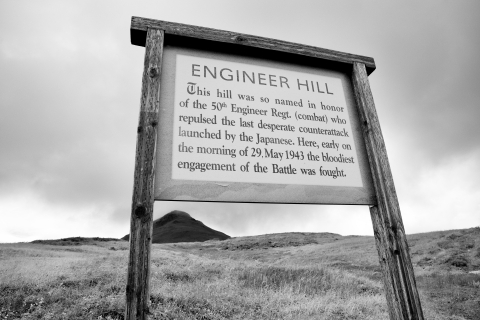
{"x":140,"y":25}
{"x":394,"y":255}
{"x":138,"y":279}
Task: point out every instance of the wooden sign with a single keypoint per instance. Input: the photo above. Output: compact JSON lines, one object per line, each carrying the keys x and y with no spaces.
{"x":241,"y":128}
{"x":240,"y":118}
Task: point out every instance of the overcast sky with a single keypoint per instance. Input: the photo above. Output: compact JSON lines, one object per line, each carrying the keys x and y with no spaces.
{"x":70,"y":85}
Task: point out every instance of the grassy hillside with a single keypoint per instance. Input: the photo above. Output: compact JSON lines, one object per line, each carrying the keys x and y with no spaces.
{"x":278,"y":276}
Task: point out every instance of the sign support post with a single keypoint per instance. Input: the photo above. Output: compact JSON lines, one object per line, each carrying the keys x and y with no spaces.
{"x":138,"y":280}
{"x":399,"y":280}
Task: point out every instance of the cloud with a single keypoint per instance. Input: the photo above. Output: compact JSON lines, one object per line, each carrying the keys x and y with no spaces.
{"x":427,"y":77}
{"x":28,"y":217}
{"x":70,"y":99}
{"x":442,"y":197}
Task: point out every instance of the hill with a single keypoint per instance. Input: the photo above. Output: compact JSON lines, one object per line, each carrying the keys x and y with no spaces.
{"x":178,"y":226}
{"x":272,"y":276}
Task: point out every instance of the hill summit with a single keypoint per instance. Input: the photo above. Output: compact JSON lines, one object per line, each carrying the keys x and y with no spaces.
{"x":179,"y":226}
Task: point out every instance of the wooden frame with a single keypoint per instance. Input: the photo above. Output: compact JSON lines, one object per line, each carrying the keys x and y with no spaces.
{"x":399,"y":281}
{"x":263,"y":190}
{"x":139,"y":26}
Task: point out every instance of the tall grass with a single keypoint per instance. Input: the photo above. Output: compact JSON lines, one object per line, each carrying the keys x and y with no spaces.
{"x":209,"y":287}
{"x":205,"y":281}
{"x":308,"y":281}
{"x":44,"y":282}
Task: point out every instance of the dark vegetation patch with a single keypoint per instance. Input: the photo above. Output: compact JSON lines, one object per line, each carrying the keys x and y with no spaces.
{"x":178,"y":276}
{"x":453,"y":294}
{"x":453,"y":236}
{"x":119,"y":248}
{"x":200,"y":273}
{"x":462,"y":242}
{"x":446,"y":244}
{"x":17,"y":300}
{"x":66,"y":298}
{"x":449,"y":250}
{"x":112,"y":315}
{"x":425,"y":261}
{"x":458,"y":260}
{"x":83,"y":283}
{"x":75,"y":241}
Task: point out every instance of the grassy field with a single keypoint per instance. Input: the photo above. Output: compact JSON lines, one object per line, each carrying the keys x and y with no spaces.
{"x":278,"y":276}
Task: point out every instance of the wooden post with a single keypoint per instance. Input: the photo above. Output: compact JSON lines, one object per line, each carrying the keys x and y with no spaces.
{"x":399,"y":280}
{"x":138,"y":281}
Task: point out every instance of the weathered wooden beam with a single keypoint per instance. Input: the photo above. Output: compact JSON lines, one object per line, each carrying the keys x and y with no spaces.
{"x":139,"y":27}
{"x":398,"y":276}
{"x":138,"y":281}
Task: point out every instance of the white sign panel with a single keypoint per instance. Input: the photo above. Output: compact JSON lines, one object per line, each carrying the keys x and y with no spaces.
{"x":238,"y":122}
